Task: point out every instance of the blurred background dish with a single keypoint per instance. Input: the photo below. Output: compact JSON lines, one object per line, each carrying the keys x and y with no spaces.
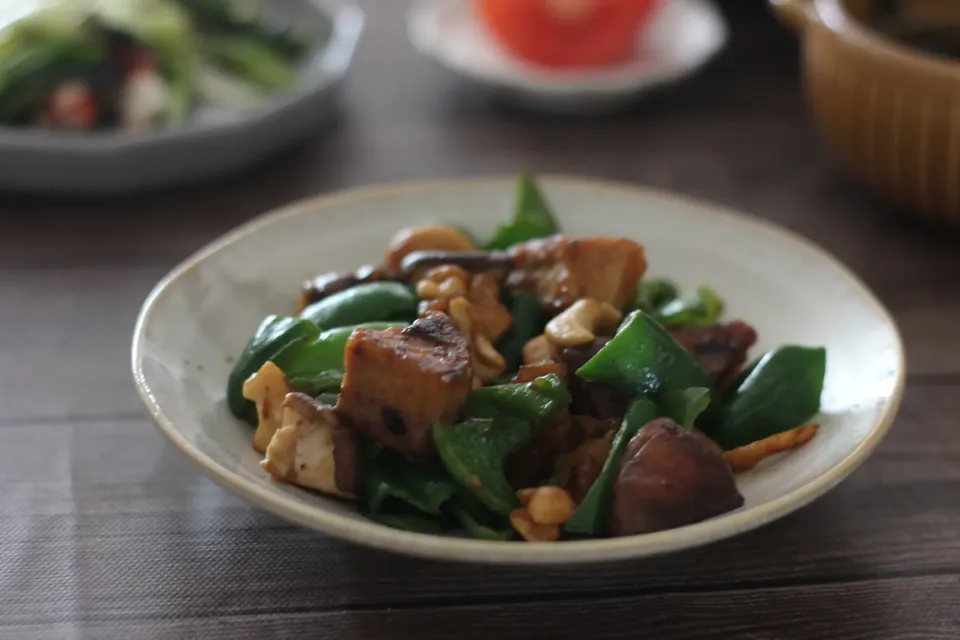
{"x":882,"y":80}
{"x":110,"y":97}
{"x":479,"y":40}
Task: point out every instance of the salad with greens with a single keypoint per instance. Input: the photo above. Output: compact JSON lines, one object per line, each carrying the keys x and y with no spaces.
{"x":532,"y":386}
{"x":87,"y":65}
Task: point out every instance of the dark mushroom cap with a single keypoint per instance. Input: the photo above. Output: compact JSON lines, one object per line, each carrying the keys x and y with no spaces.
{"x":670,"y":477}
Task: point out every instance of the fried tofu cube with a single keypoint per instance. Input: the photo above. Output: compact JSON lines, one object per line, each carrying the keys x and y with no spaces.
{"x":312,"y":449}
{"x":399,"y":382}
{"x":561,"y":270}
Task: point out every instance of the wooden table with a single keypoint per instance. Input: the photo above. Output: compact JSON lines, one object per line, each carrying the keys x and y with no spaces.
{"x":106,"y":533}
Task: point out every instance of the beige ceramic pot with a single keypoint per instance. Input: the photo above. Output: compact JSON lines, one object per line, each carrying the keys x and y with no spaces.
{"x":889,"y":110}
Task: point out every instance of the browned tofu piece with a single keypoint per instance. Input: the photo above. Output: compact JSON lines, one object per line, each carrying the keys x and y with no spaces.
{"x":561,"y":270}
{"x":399,"y":382}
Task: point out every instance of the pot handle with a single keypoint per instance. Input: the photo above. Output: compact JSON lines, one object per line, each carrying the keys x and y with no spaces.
{"x":796,"y":13}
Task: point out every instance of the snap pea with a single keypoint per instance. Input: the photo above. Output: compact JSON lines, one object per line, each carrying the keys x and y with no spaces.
{"x":653,"y":294}
{"x":532,"y":217}
{"x":782,"y":392}
{"x":703,"y":308}
{"x":644,"y":359}
{"x":528,"y":322}
{"x":534,"y":402}
{"x":474,"y":453}
{"x":373,"y":302}
{"x":324,"y":354}
{"x":272,"y":338}
{"x":593,"y":513}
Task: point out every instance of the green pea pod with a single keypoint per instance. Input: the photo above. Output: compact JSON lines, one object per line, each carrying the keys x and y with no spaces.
{"x":389,"y":477}
{"x":474,"y":453}
{"x":593,"y":513}
{"x":643,"y":359}
{"x":534,"y":402}
{"x":528,"y":322}
{"x":685,"y":406}
{"x":532,"y":217}
{"x":701,"y":309}
{"x":782,"y":392}
{"x":653,"y":294}
{"x":373,"y":302}
{"x":275,"y":335}
{"x":325,"y":353}
{"x":477,"y":521}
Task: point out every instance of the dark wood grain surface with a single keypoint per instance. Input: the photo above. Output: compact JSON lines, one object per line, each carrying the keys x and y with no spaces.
{"x":106,"y":533}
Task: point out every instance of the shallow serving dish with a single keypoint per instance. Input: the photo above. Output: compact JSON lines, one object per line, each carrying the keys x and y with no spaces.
{"x":214,"y":143}
{"x":203,"y":312}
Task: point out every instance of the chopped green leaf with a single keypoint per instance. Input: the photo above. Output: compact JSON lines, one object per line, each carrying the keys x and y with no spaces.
{"x":388,"y":476}
{"x":532,"y":217}
{"x":700,"y":309}
{"x":653,"y":294}
{"x":474,"y":453}
{"x":684,"y":406}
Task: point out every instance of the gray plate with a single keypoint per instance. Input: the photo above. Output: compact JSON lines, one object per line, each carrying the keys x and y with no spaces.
{"x":213,"y":144}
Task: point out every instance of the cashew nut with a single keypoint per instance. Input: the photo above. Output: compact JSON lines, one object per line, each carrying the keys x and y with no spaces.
{"x":488,"y":364}
{"x":267,"y":388}
{"x":444,"y":283}
{"x":547,"y":505}
{"x":406,"y":241}
{"x":495,"y":319}
{"x":538,"y":350}
{"x":578,"y":324}
{"x":530,"y":530}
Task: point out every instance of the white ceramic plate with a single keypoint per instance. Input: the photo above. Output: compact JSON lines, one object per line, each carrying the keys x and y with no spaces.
{"x":684,"y":36}
{"x":203,"y":313}
{"x":214,"y":143}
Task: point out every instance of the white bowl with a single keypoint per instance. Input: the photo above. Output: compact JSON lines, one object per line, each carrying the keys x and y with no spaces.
{"x":215,"y":142}
{"x":201,"y":315}
{"x":683,"y":37}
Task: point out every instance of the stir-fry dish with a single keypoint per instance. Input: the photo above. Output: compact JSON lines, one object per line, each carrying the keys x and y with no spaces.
{"x":533,"y":386}
{"x":85,"y":65}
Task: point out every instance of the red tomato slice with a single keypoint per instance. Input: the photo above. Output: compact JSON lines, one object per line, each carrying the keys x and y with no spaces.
{"x":567,"y":33}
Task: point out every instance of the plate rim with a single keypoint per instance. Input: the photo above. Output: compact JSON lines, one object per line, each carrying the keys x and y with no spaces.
{"x":371,"y":534}
{"x":544,"y":88}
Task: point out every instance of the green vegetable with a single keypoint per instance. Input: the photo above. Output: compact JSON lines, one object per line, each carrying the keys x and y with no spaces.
{"x":644,"y":359}
{"x":325,"y":382}
{"x":324,"y":355}
{"x":251,"y":60}
{"x":534,"y":402}
{"x":685,"y":406}
{"x":528,"y":322}
{"x":701,"y":309}
{"x":782,"y":392}
{"x":373,"y":302}
{"x":653,"y":294}
{"x":532,"y":218}
{"x":409,"y":521}
{"x":477,"y":520}
{"x":275,"y":335}
{"x":592,"y":515}
{"x":474,"y":453}
{"x":389,"y":477}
